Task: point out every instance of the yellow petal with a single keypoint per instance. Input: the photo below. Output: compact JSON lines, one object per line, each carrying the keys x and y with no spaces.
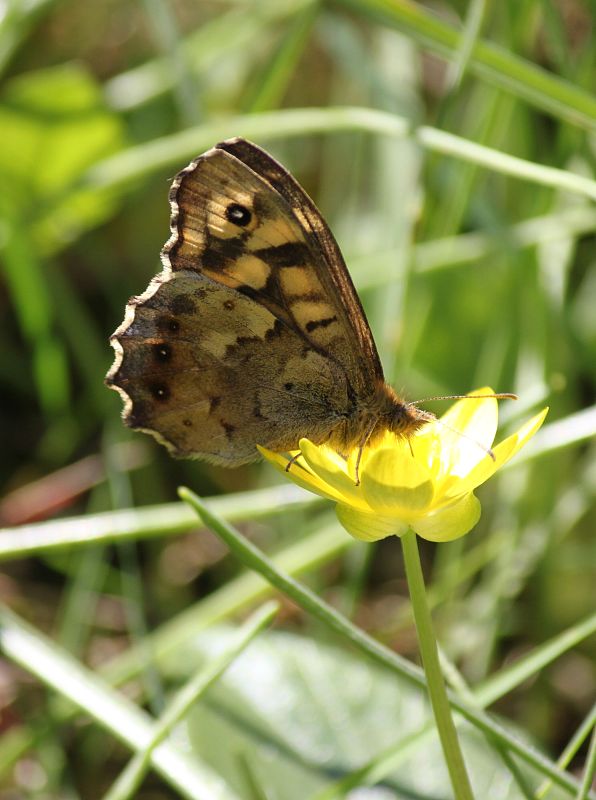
{"x":300,"y":475}
{"x":395,"y":483}
{"x":332,"y":469}
{"x":472,"y":425}
{"x":503,"y":452}
{"x":527,"y":430}
{"x":450,"y":522}
{"x":426,"y":445}
{"x":368,"y":527}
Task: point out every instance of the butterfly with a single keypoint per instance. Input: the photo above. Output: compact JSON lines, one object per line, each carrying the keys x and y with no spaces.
{"x":253,"y":333}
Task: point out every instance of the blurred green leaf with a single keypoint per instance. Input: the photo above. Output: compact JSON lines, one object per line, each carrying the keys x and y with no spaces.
{"x":313,"y":728}
{"x":54,"y":126}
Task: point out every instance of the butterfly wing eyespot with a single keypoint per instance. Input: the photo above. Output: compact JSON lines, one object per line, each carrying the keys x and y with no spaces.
{"x":162,"y":352}
{"x":254,"y":307}
{"x":238,"y":215}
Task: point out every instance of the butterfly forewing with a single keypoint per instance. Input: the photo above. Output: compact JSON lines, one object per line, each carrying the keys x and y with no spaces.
{"x":280,"y":253}
{"x":332,"y":270}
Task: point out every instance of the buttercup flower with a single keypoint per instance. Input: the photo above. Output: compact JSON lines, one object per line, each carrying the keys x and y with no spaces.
{"x":425,"y":483}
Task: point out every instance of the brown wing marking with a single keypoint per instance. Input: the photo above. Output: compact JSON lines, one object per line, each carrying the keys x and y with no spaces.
{"x":312,"y":220}
{"x":272,"y":257}
{"x":212,"y":390}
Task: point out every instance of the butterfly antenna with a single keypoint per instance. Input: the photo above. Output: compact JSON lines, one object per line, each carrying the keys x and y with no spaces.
{"x":497,"y":396}
{"x":488,"y":450}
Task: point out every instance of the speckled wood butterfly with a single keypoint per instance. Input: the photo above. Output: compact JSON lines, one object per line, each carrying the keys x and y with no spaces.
{"x":253,"y":333}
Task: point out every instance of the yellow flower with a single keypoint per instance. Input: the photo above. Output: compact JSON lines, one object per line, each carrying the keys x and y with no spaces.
{"x":425,"y":482}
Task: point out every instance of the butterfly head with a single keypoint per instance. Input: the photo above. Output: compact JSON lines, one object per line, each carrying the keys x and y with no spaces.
{"x":395,"y":415}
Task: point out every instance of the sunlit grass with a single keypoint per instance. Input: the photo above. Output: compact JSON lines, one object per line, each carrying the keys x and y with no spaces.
{"x":452,"y":155}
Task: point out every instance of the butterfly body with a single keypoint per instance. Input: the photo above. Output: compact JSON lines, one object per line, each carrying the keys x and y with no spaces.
{"x":253,"y":333}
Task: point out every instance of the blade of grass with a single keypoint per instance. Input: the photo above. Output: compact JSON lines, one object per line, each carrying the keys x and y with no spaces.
{"x":312,"y":604}
{"x":488,"y":61}
{"x":570,"y":750}
{"x":39,"y":656}
{"x":281,"y":66}
{"x":473,"y":22}
{"x":456,"y":250}
{"x":168,"y":518}
{"x":165,"y":32}
{"x":508,"y":678}
{"x":231,"y":598}
{"x":78,"y":329}
{"x":130,"y":779}
{"x":18,"y":20}
{"x":378,"y":768}
{"x":131,"y":583}
{"x":27,"y":282}
{"x":557,"y":36}
{"x":575,"y":428}
{"x":448,"y":144}
{"x":225,"y":33}
{"x":467,"y":248}
{"x":122,"y":169}
{"x":234,"y":596}
{"x":589,"y":769}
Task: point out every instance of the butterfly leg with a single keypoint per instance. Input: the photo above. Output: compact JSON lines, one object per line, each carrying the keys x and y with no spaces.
{"x":361,"y":447}
{"x":293,"y":460}
{"x":358,"y":457}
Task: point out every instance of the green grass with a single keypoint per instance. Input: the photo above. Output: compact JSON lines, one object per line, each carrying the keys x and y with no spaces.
{"x":452,"y":155}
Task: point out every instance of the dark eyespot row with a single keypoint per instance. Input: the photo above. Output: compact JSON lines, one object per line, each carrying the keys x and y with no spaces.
{"x":238,"y":215}
{"x":168,"y":324}
{"x":162,"y":352}
{"x":160,"y":391}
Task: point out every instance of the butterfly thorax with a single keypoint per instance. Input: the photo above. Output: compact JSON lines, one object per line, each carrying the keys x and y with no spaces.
{"x":383,"y":411}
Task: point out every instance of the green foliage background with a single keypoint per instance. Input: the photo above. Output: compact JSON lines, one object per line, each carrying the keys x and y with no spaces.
{"x":404,"y":121}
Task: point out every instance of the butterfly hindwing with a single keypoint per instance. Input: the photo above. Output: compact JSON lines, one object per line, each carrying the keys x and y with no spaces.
{"x":195,"y":370}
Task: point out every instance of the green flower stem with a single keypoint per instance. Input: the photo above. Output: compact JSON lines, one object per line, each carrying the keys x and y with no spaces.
{"x":254,"y":559}
{"x":432,"y":669}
